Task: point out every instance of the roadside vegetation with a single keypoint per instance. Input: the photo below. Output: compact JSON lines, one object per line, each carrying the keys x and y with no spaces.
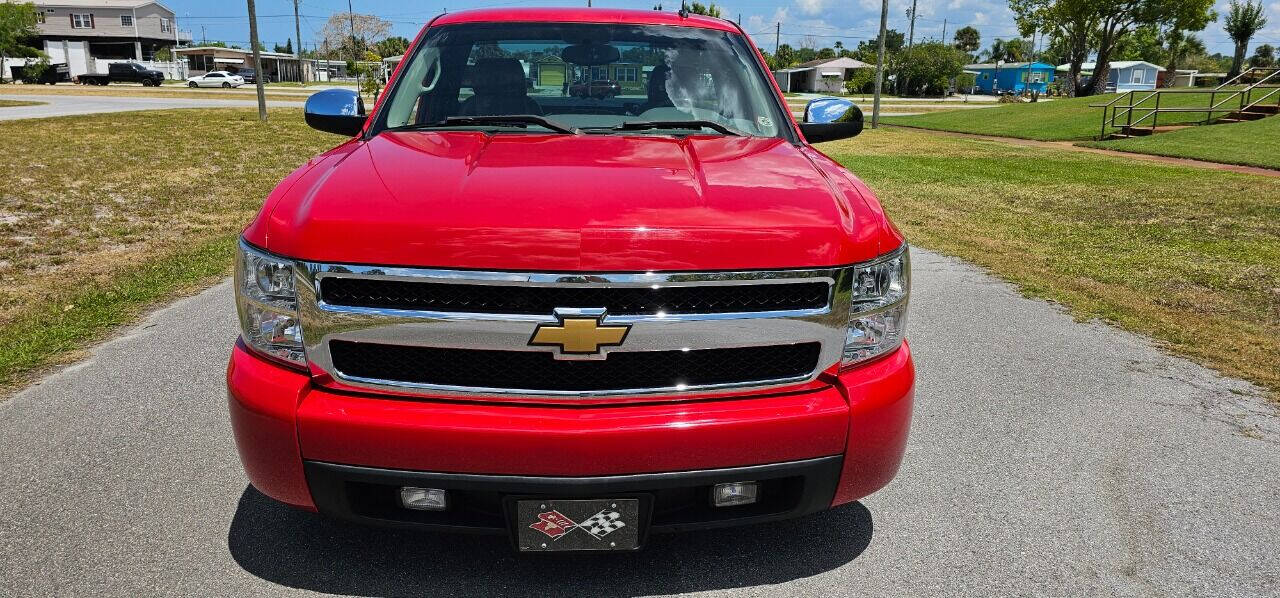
{"x":1255,"y":143}
{"x":1187,"y":256}
{"x":16,"y":103}
{"x":1062,"y":119}
{"x":103,"y":216}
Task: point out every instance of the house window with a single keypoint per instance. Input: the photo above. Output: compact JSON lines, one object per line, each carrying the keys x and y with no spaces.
{"x":81,"y":21}
{"x":1139,"y":76}
{"x":126,"y":20}
{"x":1037,"y":77}
{"x":599,"y":73}
{"x":164,"y":25}
{"x":40,"y":17}
{"x":986,"y":76}
{"x":626,"y":73}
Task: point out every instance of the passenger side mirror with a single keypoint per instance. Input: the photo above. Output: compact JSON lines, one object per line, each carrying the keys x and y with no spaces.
{"x":830,"y":119}
{"x":338,"y":111}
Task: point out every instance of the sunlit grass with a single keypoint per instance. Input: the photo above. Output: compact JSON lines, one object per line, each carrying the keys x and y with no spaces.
{"x":104,"y":215}
{"x":1190,"y":257}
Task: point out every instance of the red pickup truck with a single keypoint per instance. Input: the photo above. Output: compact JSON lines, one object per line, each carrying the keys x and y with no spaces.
{"x":575,"y":322}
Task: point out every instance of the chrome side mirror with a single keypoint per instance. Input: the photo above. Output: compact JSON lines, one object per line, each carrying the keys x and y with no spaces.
{"x":338,"y":111}
{"x":829,"y":119}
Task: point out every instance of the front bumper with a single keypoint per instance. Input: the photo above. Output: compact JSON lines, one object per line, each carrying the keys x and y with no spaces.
{"x":335,"y":452}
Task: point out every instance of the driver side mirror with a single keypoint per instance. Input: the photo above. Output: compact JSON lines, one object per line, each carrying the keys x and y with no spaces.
{"x":830,"y":119}
{"x":338,"y":111}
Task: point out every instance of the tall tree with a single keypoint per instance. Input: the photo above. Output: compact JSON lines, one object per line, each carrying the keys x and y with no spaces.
{"x":17,"y":30}
{"x":1071,"y":24}
{"x":968,"y":39}
{"x":711,"y":10}
{"x":338,"y":39}
{"x":785,"y":56}
{"x":1119,"y":18}
{"x":392,"y":46}
{"x":1009,"y":50}
{"x":1263,"y":56}
{"x":1242,"y":23}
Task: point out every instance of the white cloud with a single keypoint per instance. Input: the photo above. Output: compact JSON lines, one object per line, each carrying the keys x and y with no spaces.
{"x":811,"y":7}
{"x":980,"y":18}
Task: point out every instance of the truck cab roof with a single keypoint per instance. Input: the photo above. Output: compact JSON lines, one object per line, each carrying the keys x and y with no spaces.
{"x":583,"y":15}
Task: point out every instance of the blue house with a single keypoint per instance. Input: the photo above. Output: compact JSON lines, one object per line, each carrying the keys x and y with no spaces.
{"x":1013,"y":77}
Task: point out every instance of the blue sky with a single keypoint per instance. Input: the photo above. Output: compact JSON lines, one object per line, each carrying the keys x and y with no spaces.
{"x":821,"y":21}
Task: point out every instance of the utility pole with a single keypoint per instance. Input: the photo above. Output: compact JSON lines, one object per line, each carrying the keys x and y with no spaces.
{"x":911,"y":37}
{"x":257,"y":62}
{"x":777,"y":38}
{"x":297,"y":30}
{"x":944,"y":31}
{"x":204,"y":40}
{"x":351,"y":18}
{"x":884,"y":24}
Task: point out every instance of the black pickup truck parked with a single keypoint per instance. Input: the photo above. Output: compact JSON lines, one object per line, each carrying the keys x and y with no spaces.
{"x":124,"y":72}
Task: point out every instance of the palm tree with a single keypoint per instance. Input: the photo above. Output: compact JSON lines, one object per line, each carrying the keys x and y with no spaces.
{"x":1181,"y":45}
{"x":1243,"y":21}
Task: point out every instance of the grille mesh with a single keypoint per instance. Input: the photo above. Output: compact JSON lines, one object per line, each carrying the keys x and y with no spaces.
{"x":539,"y":371}
{"x":508,"y":299}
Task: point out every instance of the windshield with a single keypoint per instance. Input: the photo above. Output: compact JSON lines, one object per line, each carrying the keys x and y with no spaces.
{"x":592,"y":78}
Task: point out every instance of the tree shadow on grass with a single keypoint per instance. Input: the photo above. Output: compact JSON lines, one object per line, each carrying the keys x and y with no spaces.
{"x":308,"y":551}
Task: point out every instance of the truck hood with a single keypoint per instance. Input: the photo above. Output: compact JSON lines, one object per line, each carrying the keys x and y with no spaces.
{"x":574,"y":203}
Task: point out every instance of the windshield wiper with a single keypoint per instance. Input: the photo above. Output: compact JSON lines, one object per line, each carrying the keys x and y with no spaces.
{"x":642,"y":125}
{"x":513,"y":120}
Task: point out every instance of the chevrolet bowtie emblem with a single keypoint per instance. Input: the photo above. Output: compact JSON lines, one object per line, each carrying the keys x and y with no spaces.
{"x":579,"y":332}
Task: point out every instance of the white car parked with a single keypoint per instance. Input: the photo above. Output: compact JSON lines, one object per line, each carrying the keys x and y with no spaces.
{"x":216,"y":79}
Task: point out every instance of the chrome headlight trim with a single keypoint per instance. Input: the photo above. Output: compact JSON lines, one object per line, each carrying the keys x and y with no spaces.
{"x":267,"y":303}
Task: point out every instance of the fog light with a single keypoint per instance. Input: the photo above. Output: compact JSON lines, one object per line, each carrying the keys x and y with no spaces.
{"x":423,"y":499}
{"x":734,"y":493}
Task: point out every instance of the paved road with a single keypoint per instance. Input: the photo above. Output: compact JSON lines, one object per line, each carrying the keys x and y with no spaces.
{"x":65,"y":105}
{"x":1047,"y":458}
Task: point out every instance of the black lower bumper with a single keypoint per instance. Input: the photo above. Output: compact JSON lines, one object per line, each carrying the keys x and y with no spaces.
{"x":673,"y":501}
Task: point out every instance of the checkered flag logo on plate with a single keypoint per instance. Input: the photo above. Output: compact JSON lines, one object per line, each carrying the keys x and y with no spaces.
{"x":602,"y":524}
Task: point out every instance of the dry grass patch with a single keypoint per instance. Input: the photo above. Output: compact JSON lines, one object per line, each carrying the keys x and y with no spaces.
{"x":1187,"y":256}
{"x":16,"y":103}
{"x":109,"y":213}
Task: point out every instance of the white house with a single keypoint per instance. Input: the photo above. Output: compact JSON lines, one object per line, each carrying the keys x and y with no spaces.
{"x":88,"y":34}
{"x":826,"y":75}
{"x":1124,"y":75}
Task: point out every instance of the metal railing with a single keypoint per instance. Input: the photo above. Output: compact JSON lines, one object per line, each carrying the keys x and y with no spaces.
{"x":1232,"y":101}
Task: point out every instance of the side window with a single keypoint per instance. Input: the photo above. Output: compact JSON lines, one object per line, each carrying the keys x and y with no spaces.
{"x":214,"y":75}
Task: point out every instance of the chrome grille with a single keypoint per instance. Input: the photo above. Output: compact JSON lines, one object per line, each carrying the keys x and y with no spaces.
{"x":537,"y":371}
{"x":481,"y":349}
{"x":499,"y":299}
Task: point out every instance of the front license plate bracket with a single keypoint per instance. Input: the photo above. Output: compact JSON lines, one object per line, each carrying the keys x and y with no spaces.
{"x":561,"y":525}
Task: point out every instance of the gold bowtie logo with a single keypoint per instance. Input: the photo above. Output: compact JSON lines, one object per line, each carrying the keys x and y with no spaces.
{"x":579,"y":336}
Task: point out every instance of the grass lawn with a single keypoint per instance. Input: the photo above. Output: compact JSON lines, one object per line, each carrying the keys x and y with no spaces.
{"x":1255,"y":143}
{"x":1063,"y":119}
{"x":241,"y":93}
{"x":16,"y":103}
{"x":1187,"y":256}
{"x":103,"y":216}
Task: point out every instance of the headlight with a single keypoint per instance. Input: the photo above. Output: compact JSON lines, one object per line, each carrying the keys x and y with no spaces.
{"x":268,"y":305}
{"x":878,"y":311}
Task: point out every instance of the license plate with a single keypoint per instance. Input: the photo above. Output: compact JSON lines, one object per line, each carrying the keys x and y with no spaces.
{"x":556,"y":525}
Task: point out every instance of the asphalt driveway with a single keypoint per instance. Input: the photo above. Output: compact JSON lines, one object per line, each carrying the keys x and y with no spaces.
{"x":1048,"y":457}
{"x":66,"y":105}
